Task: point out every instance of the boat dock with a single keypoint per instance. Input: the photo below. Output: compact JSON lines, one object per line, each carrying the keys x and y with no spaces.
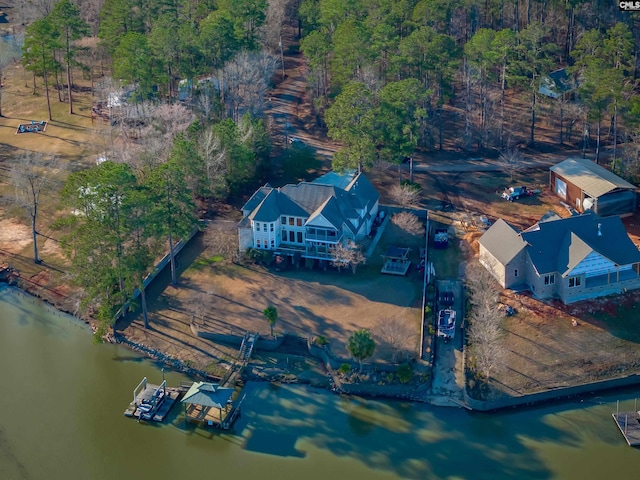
{"x":152,"y":402}
{"x":205,"y":403}
{"x":629,"y":424}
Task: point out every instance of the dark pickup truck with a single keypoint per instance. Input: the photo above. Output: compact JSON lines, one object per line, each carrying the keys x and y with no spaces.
{"x":515,"y":193}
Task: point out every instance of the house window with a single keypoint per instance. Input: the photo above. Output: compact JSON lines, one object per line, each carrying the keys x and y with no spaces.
{"x":574,"y":282}
{"x":284,"y":235}
{"x":515,"y":272}
{"x":292,"y":237}
{"x":271,"y":227}
{"x":299,"y":239}
{"x":283,"y":220}
{"x":273,"y":243}
{"x":259,"y":243}
{"x":299,"y":222}
{"x":550,"y":279}
{"x":257,"y":226}
{"x":291,"y":220}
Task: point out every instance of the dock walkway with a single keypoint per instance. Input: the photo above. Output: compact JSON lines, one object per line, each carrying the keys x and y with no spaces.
{"x":629,"y":424}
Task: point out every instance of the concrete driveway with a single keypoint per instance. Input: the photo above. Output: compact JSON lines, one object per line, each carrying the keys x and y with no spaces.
{"x":447,"y":385}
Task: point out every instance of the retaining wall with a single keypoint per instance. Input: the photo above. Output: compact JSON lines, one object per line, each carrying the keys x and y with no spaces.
{"x":549,"y":395}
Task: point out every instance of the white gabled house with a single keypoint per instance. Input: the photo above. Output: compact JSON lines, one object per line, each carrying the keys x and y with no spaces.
{"x":310,"y":217}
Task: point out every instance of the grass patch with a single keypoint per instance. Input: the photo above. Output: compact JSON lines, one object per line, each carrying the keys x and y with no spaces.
{"x":202,"y":262}
{"x":446,"y":262}
{"x":622,"y":323}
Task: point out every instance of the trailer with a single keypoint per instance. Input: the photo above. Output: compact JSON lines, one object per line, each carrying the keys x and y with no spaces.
{"x":441,"y":238}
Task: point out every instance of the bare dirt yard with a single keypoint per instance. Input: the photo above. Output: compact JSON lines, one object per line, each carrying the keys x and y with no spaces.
{"x":547,"y":344}
{"x":229,"y":298}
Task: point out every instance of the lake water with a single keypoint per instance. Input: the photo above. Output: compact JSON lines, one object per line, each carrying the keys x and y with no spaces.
{"x":61,"y":417}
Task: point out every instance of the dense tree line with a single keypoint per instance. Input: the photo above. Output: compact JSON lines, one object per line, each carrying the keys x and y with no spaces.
{"x":482,"y":53}
{"x":126,"y":214}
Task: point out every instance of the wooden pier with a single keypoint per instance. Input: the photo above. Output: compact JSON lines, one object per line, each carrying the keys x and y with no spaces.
{"x":214,"y":405}
{"x":152,"y":402}
{"x":205,"y":403}
{"x":629,"y":424}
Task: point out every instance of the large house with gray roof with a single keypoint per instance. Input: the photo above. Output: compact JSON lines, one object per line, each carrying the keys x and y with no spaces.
{"x":585,"y":185}
{"x":310,"y":217}
{"x":576,"y":258}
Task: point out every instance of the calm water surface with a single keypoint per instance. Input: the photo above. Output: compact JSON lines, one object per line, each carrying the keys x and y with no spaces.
{"x":62,"y":398}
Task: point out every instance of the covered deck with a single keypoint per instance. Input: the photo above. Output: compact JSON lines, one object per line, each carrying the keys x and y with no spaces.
{"x":396,"y":261}
{"x":210,"y":404}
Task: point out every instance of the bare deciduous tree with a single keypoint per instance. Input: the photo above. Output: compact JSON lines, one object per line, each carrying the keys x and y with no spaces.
{"x":8,"y":54}
{"x":485,"y":340}
{"x":32,"y":175}
{"x":221,"y":240}
{"x":483,"y":288}
{"x":407,"y":222}
{"x":405,"y":195}
{"x":146,"y":132}
{"x":398,"y":337}
{"x":511,"y":161}
{"x":245,"y":82}
{"x":214,"y":157}
{"x":344,"y":256}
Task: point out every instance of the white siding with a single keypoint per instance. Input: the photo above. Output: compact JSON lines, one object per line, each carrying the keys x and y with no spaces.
{"x":320,"y":221}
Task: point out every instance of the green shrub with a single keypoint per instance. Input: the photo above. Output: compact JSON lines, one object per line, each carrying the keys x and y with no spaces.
{"x":345,"y":368}
{"x":320,"y":340}
{"x":431,"y":329}
{"x":412,"y":185}
{"x":405,"y":373}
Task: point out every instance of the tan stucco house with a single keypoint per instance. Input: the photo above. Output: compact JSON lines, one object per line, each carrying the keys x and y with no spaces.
{"x":576,"y":258}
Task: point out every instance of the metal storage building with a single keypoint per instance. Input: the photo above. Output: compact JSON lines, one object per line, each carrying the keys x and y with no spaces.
{"x":584,"y":185}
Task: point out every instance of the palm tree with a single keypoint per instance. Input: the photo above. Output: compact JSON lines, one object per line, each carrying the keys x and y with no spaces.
{"x":271,"y":315}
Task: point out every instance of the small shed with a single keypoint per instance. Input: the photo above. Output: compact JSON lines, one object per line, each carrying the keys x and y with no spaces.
{"x":207,"y":402}
{"x":396,"y":261}
{"x":585,"y":185}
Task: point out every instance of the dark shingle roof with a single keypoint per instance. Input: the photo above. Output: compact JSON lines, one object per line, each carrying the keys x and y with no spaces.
{"x":256,"y":198}
{"x":559,"y":245}
{"x":311,"y":199}
{"x":274,"y":205}
{"x":363,"y":192}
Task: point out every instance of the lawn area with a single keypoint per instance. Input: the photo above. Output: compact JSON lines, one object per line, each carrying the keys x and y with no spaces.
{"x":544,"y":350}
{"x":71,"y":137}
{"x":224,"y":297}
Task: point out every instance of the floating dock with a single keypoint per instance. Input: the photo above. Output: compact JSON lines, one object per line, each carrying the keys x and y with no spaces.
{"x":629,"y":424}
{"x":152,"y":402}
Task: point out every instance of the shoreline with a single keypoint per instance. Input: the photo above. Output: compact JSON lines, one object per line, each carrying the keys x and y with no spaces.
{"x":328,"y":380}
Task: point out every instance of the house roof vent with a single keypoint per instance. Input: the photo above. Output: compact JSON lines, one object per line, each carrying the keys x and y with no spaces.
{"x":599,"y":229}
